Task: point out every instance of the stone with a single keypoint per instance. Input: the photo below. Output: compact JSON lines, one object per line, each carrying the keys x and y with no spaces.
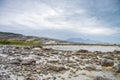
{"x":37,"y":49}
{"x":30,"y":78}
{"x":97,"y":52}
{"x":38,"y":71}
{"x":118,"y":57}
{"x":15,"y":61}
{"x":107,"y":62}
{"x":53,"y":61}
{"x":37,"y":46}
{"x":55,"y":53}
{"x":86,"y":61}
{"x":116,"y":52}
{"x":83,"y":51}
{"x":48,"y":78}
{"x":56,"y":68}
{"x":90,"y":67}
{"x":28,"y":62}
{"x":101,"y":78}
{"x":4,"y":77}
{"x":108,"y":56}
{"x":117,"y":68}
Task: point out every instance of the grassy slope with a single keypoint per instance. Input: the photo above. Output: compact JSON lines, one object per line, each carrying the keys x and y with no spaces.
{"x":17,"y":42}
{"x":19,"y":39}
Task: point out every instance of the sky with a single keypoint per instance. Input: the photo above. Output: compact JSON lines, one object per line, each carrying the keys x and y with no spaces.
{"x":62,"y":19}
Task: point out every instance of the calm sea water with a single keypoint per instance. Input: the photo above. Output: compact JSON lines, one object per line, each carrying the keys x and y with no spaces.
{"x":86,"y":47}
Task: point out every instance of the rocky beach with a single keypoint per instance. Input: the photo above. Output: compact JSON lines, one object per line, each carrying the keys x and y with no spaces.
{"x":59,"y":39}
{"x":39,"y":63}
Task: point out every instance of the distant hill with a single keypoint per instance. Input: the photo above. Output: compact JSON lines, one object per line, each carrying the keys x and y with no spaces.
{"x":20,"y":37}
{"x":80,"y":40}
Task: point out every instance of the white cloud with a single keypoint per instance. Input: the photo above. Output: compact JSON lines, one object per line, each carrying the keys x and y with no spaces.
{"x":97,"y":31}
{"x":42,"y":16}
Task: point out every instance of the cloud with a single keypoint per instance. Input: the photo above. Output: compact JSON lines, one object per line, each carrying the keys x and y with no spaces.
{"x":61,"y":15}
{"x":97,"y":31}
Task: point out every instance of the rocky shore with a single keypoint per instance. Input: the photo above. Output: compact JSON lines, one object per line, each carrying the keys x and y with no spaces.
{"x":37,"y":63}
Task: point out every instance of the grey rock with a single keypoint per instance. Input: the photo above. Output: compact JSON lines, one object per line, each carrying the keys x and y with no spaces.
{"x":56,"y":68}
{"x":15,"y":61}
{"x":117,"y":68}
{"x":118,"y":57}
{"x":83,"y":51}
{"x":108,"y":56}
{"x":116,"y":52}
{"x":101,"y":78}
{"x":28,"y":62}
{"x":90,"y":67}
{"x":107,"y":62}
{"x":5,"y":77}
{"x":97,"y":52}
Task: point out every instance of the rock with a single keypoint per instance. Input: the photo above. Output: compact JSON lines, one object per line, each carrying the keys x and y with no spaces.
{"x":56,"y":68}
{"x":4,"y":77}
{"x":47,"y":78}
{"x":83,"y":51}
{"x":97,"y":52}
{"x":38,"y":71}
{"x":117,"y":68}
{"x":30,"y":78}
{"x":37,"y":49}
{"x":47,"y":49}
{"x":16,"y":47}
{"x":108,"y":56}
{"x":118,"y":57}
{"x":39,"y":46}
{"x":90,"y":67}
{"x":62,"y":78}
{"x":27,"y":47}
{"x":73,"y":65}
{"x":53,"y":61}
{"x":35,"y":63}
{"x":55,"y":53}
{"x":15,"y":61}
{"x":101,"y":78}
{"x":116,"y":52}
{"x":28,"y":62}
{"x":40,"y":54}
{"x":86,"y":61}
{"x":107,"y":62}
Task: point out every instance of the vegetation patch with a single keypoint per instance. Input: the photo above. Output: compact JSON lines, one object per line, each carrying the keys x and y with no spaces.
{"x":19,"y":42}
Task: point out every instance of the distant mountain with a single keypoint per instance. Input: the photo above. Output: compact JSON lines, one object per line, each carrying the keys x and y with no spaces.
{"x":81,"y":40}
{"x":20,"y":37}
{"x":43,"y":40}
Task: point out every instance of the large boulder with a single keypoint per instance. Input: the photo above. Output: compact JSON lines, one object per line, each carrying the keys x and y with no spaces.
{"x":107,"y":62}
